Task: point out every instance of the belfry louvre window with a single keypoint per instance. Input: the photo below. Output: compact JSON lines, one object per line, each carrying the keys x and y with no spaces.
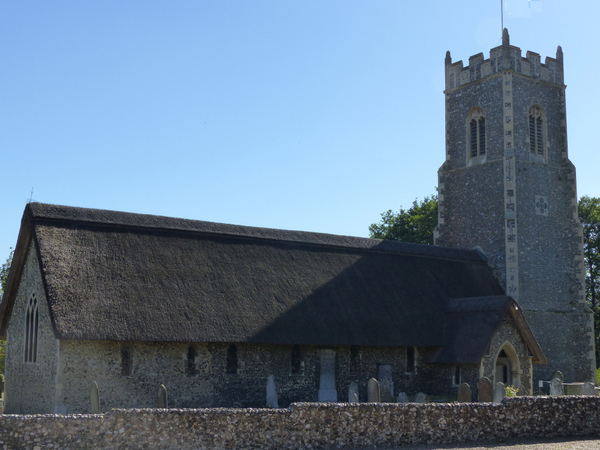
{"x":536,"y":131}
{"x":31,"y":330}
{"x":476,"y":133}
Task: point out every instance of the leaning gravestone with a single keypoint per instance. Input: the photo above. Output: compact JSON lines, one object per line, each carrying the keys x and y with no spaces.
{"x":464,"y":393}
{"x":95,"y":398}
{"x":163,"y":401}
{"x":385,"y":389}
{"x":499,"y":392}
{"x":588,"y":389}
{"x":558,"y":374}
{"x":272,"y":401}
{"x":420,"y":398}
{"x":556,"y":387}
{"x":353,"y":393}
{"x":373,"y":393}
{"x":327,"y":391}
{"x":402,"y":397}
{"x":485,"y":390}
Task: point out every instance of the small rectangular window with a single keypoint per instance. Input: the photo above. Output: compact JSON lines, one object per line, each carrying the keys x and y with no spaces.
{"x":296,"y":360}
{"x":232,"y":359}
{"x":354,"y":359}
{"x":410,"y":359}
{"x":456,"y":377}
{"x":126,"y":362}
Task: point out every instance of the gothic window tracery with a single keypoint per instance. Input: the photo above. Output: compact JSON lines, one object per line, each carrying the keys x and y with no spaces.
{"x":476,"y":138}
{"x":536,"y":131}
{"x":31,"y":330}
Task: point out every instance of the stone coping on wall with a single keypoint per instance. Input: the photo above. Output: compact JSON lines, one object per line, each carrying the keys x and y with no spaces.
{"x":307,"y":425}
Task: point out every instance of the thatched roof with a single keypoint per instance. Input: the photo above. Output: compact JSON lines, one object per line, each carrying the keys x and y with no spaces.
{"x":121,"y":276}
{"x":470,"y":324}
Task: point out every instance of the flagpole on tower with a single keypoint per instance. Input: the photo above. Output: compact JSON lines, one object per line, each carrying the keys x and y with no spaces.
{"x":502,"y":14}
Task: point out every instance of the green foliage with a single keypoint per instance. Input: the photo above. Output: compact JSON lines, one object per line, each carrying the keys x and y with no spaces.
{"x":4,"y":271}
{"x":589,"y":215}
{"x":511,"y":391}
{"x":413,"y":225}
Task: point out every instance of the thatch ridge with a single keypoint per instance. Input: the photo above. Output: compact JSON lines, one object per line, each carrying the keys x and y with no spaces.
{"x":54,"y":214}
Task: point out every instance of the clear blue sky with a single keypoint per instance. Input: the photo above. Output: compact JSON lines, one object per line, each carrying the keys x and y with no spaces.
{"x":296,"y":114}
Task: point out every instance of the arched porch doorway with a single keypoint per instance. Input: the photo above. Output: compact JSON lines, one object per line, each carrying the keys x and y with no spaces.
{"x":507,"y":366}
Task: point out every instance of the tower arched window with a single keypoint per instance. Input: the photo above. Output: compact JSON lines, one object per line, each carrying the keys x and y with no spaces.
{"x":476,"y":142}
{"x":31,"y":330}
{"x":536,"y":131}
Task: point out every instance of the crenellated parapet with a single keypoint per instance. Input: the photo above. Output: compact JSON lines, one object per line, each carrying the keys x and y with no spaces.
{"x":504,"y":58}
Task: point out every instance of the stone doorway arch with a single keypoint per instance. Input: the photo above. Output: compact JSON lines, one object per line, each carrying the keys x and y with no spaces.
{"x":507,"y":368}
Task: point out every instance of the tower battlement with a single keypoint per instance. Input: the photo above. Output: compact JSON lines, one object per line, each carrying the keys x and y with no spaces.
{"x":502,"y":58}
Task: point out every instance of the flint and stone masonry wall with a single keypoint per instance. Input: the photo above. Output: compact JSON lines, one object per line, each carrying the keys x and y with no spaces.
{"x":307,"y":425}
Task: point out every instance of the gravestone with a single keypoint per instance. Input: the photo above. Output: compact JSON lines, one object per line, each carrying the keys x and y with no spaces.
{"x":420,"y":398}
{"x":558,"y":374}
{"x":353,"y":393}
{"x":485,"y":390}
{"x":402,"y":397}
{"x":95,"y":398}
{"x":373,"y":393}
{"x":588,"y":389}
{"x":556,"y":387}
{"x":521,"y":392}
{"x":499,"y":392}
{"x":464,"y":393}
{"x":384,"y":371}
{"x":272,"y":401}
{"x":572,"y":388}
{"x":327,"y":391}
{"x":163,"y":401}
{"x":385,"y":389}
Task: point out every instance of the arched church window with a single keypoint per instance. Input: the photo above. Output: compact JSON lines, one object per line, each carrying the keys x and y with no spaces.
{"x":31,"y":330}
{"x":536,"y":131}
{"x":476,"y":139}
{"x":232,"y":359}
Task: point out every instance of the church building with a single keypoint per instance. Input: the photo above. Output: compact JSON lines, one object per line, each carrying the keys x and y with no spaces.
{"x":132,"y":302}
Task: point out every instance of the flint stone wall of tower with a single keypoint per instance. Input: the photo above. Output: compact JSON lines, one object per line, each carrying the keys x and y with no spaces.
{"x":520,"y":208}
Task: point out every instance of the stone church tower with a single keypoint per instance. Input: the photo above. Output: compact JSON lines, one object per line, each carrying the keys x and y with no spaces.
{"x":507,"y":186}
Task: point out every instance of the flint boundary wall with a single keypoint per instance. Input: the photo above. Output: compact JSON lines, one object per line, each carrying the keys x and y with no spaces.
{"x":306,"y":425}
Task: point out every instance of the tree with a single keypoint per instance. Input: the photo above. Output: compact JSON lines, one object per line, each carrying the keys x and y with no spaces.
{"x":3,"y":279}
{"x":4,"y":271}
{"x":413,"y":225}
{"x":589,"y":216}
{"x":418,"y":222}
